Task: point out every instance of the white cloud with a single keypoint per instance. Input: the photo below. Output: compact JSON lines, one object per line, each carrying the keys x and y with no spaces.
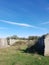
{"x":45,"y":23}
{"x":22,"y":24}
{"x":47,"y":8}
{"x":14,"y":23}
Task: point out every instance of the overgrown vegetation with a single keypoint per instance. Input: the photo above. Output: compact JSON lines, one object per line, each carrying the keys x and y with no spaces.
{"x":23,"y":38}
{"x":33,"y":37}
{"x":14,"y":56}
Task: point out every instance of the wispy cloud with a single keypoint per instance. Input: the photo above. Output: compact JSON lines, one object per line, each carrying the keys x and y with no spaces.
{"x":22,"y":24}
{"x":14,"y":23}
{"x":45,"y":23}
{"x":47,"y":8}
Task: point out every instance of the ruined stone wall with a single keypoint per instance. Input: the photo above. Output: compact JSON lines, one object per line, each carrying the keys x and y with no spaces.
{"x":3,"y":43}
{"x":43,"y":44}
{"x":46,"y":41}
{"x":7,"y":42}
{"x":12,"y":41}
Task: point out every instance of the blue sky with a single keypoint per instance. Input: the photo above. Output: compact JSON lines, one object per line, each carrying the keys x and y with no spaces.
{"x":24,"y":17}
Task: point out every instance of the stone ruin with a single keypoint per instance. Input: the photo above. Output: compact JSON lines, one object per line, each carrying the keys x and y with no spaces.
{"x":41,"y":47}
{"x":6,"y":42}
{"x":46,"y":41}
{"x":3,"y":43}
{"x":44,"y":44}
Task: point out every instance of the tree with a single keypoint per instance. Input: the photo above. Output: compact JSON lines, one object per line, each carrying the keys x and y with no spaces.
{"x":32,"y":37}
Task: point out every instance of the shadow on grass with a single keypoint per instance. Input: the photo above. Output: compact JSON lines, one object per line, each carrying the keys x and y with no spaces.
{"x":38,"y":47}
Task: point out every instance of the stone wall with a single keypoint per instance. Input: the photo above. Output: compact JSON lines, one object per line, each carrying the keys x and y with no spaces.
{"x":3,"y":43}
{"x":7,"y":42}
{"x":46,"y":41}
{"x":42,"y":44}
{"x":12,"y":41}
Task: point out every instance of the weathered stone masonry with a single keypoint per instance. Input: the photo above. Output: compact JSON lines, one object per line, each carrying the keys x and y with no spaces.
{"x":42,"y":45}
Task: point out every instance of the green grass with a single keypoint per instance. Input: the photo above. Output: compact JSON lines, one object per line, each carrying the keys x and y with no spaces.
{"x":13,"y":56}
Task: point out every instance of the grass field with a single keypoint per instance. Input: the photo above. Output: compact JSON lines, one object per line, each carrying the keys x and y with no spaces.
{"x":14,"y":56}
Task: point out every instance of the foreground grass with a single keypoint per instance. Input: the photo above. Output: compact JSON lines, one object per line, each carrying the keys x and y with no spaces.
{"x":13,"y":56}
